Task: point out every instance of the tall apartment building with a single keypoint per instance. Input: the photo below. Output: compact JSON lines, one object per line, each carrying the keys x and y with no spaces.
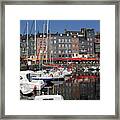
{"x":41,"y":45}
{"x":97,"y":43}
{"x":75,"y":42}
{"x":23,"y":46}
{"x":59,"y":45}
{"x":82,"y":41}
{"x":27,"y":46}
{"x":31,"y":46}
{"x":86,"y":40}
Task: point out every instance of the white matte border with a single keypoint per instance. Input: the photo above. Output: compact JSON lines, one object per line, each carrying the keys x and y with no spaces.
{"x":104,"y":13}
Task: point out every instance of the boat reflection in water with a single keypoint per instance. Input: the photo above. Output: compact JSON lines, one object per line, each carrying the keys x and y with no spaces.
{"x":59,"y":84}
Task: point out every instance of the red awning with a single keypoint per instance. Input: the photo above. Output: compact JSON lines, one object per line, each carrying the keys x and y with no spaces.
{"x":74,"y":59}
{"x":86,"y":76}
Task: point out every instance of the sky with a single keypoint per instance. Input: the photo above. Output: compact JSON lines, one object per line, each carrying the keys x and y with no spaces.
{"x":58,"y":25}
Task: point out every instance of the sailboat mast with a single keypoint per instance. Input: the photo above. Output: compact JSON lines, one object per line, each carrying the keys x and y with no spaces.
{"x":67,"y":55}
{"x":35,"y":41}
{"x":47,"y":41}
{"x":50,"y":48}
{"x":42,"y":51}
{"x":43,"y":42}
{"x":27,"y":42}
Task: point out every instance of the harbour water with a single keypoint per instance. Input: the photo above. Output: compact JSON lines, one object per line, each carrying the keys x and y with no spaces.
{"x":80,"y":85}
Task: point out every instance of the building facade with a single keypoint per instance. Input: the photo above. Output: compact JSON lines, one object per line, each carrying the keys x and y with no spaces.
{"x":41,"y":45}
{"x":86,"y":40}
{"x":23,"y":46}
{"x":75,"y":42}
{"x":27,"y":46}
{"x":59,"y":45}
{"x":66,"y":45}
{"x":97,"y":45}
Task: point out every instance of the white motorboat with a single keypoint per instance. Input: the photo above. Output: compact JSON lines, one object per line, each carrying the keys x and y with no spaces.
{"x":51,"y":76}
{"x":49,"y":97}
{"x":27,"y":86}
{"x":66,"y":72}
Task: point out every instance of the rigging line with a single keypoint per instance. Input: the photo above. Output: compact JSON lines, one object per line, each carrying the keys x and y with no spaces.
{"x":25,"y":28}
{"x":31,"y":27}
{"x":42,"y":54}
{"x":27,"y":41}
{"x":50,"y":47}
{"x":35,"y":38}
{"x":47,"y":40}
{"x":39,"y":27}
{"x":43,"y":42}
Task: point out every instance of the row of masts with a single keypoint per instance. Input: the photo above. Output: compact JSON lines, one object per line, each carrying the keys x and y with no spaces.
{"x":41,"y":51}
